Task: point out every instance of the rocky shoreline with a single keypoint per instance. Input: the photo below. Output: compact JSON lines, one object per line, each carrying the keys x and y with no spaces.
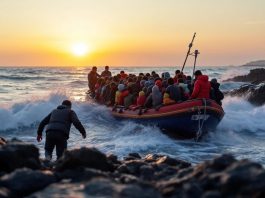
{"x":86,"y":172}
{"x":254,"y":91}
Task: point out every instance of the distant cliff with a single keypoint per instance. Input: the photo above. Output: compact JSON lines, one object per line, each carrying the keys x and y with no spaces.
{"x":259,"y":63}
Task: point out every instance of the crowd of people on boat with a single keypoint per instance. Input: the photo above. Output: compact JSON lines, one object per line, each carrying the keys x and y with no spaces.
{"x":150,"y":90}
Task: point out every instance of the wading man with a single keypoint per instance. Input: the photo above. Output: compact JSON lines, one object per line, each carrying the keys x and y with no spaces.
{"x":58,"y":123}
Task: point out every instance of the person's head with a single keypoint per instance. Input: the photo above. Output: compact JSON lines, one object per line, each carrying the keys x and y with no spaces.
{"x":141,"y":93}
{"x":67,"y":103}
{"x":153,"y":73}
{"x":166,"y":75}
{"x":107,"y":68}
{"x":158,"y":83}
{"x":122,"y":72}
{"x":121,"y":87}
{"x":177,"y":71}
{"x":170,"y":81}
{"x":197,"y":73}
{"x":188,"y":78}
{"x":94,"y":68}
{"x":214,"y":81}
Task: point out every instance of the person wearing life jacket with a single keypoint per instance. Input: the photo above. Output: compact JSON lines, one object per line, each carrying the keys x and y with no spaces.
{"x":173,"y":90}
{"x":167,"y":100}
{"x":121,"y":94}
{"x":141,"y":99}
{"x":92,"y":80}
{"x":202,"y":86}
{"x":59,"y":123}
{"x":106,"y":72}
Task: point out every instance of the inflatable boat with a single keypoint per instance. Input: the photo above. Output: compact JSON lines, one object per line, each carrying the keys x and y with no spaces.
{"x":189,"y":119}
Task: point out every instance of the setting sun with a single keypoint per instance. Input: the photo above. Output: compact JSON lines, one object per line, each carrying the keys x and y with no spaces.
{"x":80,"y":49}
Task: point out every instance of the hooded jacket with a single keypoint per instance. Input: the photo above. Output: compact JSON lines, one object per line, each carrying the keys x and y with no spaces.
{"x":156,"y":96}
{"x":202,"y":87}
{"x":61,"y":119}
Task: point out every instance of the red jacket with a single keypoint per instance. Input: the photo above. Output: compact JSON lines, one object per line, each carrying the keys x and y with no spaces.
{"x":202,"y":88}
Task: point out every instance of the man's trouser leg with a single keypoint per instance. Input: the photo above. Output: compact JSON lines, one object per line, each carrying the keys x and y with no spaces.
{"x":49,"y":146}
{"x":61,"y":145}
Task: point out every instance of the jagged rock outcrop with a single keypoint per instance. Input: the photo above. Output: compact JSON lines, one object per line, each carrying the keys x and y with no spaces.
{"x":254,"y":91}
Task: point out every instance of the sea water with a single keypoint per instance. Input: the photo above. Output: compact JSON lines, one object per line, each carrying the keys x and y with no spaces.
{"x":28,"y":94}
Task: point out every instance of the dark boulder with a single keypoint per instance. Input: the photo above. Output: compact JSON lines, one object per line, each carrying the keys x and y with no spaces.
{"x":16,"y":154}
{"x":133,"y":166}
{"x":98,"y":188}
{"x":80,"y":174}
{"x":132,"y":156}
{"x":84,"y":157}
{"x":255,"y":76}
{"x":240,"y":175}
{"x":2,"y":141}
{"x":173,"y":162}
{"x":4,"y":192}
{"x":255,"y":94}
{"x":24,"y":181}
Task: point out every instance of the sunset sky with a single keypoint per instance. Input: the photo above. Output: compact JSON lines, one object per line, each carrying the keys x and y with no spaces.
{"x":130,"y":32}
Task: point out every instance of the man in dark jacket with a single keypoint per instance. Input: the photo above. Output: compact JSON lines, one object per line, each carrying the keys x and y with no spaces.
{"x":92,"y":78}
{"x":58,"y":123}
{"x":216,"y":93}
{"x":106,"y":72}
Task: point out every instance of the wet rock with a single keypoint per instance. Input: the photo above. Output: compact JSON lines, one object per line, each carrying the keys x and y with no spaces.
{"x":173,"y":162}
{"x":192,"y":189}
{"x":98,"y":188}
{"x":132,"y":156}
{"x":84,"y":157}
{"x":113,"y":159}
{"x":152,"y":157}
{"x":2,"y":141}
{"x":222,"y":162}
{"x":255,"y":76}
{"x":4,"y":192}
{"x":128,"y":179}
{"x":211,"y":194}
{"x":240,"y":175}
{"x":255,"y":94}
{"x":17,"y":154}
{"x":133,"y":166}
{"x":122,"y":169}
{"x":135,"y":155}
{"x":24,"y":181}
{"x":147,"y":172}
{"x":165,"y":172}
{"x":80,"y":174}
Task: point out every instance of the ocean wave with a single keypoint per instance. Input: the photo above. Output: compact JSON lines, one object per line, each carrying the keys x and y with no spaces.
{"x":20,"y":78}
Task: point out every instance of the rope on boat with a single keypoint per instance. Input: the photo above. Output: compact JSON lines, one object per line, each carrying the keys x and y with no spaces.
{"x":200,"y":123}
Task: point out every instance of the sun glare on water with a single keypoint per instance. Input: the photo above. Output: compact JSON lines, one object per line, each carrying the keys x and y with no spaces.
{"x":80,"y":49}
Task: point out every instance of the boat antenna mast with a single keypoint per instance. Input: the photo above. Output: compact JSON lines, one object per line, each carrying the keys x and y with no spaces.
{"x":195,"y":54}
{"x":188,"y":53}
